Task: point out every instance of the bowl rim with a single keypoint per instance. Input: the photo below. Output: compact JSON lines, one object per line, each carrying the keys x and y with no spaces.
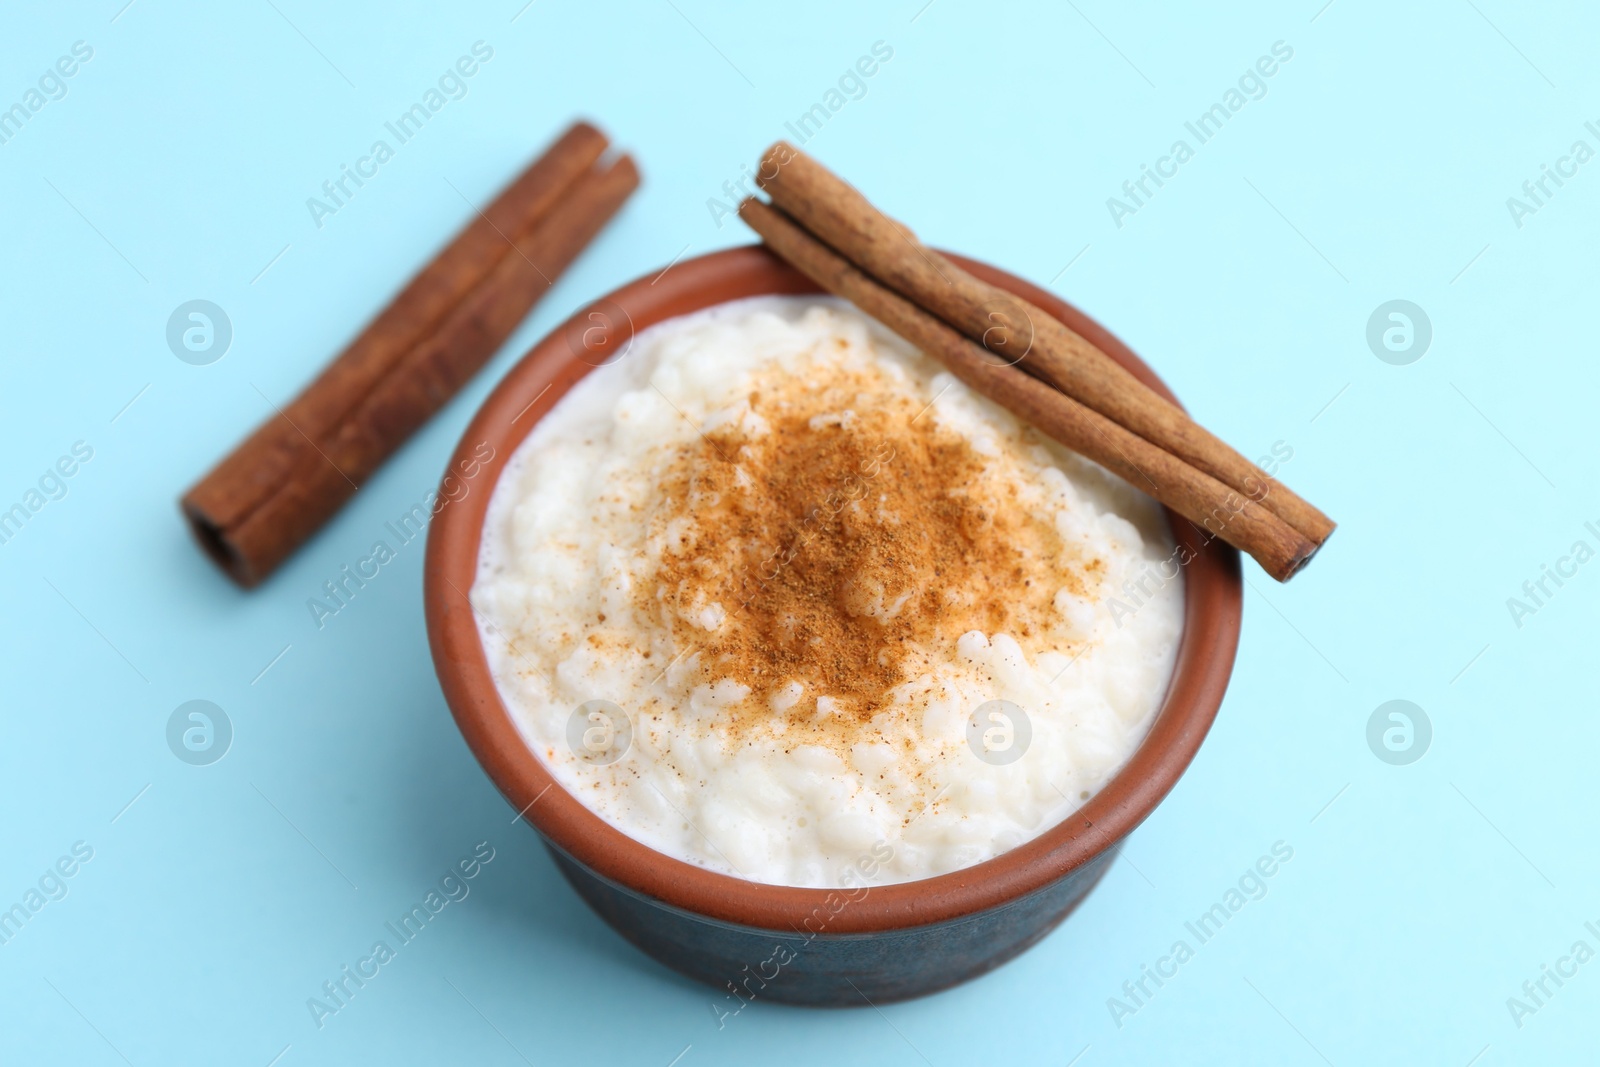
{"x":1212,"y":612}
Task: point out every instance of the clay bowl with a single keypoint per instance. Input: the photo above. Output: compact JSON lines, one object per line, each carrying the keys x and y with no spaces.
{"x":750,"y":940}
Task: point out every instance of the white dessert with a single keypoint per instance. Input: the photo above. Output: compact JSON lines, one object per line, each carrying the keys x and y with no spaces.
{"x":753,"y":593}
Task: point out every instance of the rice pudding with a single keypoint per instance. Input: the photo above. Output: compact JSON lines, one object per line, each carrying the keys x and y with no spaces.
{"x":775,"y":595}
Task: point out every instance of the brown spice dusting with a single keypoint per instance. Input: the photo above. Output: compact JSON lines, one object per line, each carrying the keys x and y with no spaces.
{"x":848,"y":547}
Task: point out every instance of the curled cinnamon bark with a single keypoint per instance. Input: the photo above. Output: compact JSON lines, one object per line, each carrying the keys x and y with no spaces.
{"x":1013,"y":330}
{"x":299,"y":467}
{"x":1219,"y":510}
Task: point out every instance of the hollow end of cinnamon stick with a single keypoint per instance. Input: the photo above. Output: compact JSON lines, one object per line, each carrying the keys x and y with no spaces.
{"x":215,"y":543}
{"x":1303,"y":560}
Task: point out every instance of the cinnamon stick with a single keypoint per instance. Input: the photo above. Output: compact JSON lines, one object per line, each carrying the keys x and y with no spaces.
{"x":273,"y":492}
{"x":1012,"y":329}
{"x":1221,"y":512}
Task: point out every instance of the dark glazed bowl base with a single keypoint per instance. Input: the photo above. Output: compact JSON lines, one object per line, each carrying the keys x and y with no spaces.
{"x":747,"y":964}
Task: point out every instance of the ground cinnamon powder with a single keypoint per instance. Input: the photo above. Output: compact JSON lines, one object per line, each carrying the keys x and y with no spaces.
{"x":846,"y":548}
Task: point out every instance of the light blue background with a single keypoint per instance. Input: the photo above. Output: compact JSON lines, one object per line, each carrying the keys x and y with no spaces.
{"x":1377,"y":166}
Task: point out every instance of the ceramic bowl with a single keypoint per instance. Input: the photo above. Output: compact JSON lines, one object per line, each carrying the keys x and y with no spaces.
{"x":750,"y":940}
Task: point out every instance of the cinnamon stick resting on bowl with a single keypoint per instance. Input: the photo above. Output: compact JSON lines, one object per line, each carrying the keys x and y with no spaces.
{"x":1012,"y":329}
{"x":1197,"y":496}
{"x":303,"y":463}
{"x":1073,"y":392}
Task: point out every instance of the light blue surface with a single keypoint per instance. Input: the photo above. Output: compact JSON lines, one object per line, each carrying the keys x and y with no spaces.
{"x":1377,"y":166}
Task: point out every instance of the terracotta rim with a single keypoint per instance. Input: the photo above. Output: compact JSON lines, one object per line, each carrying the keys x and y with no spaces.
{"x":533,"y":386}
